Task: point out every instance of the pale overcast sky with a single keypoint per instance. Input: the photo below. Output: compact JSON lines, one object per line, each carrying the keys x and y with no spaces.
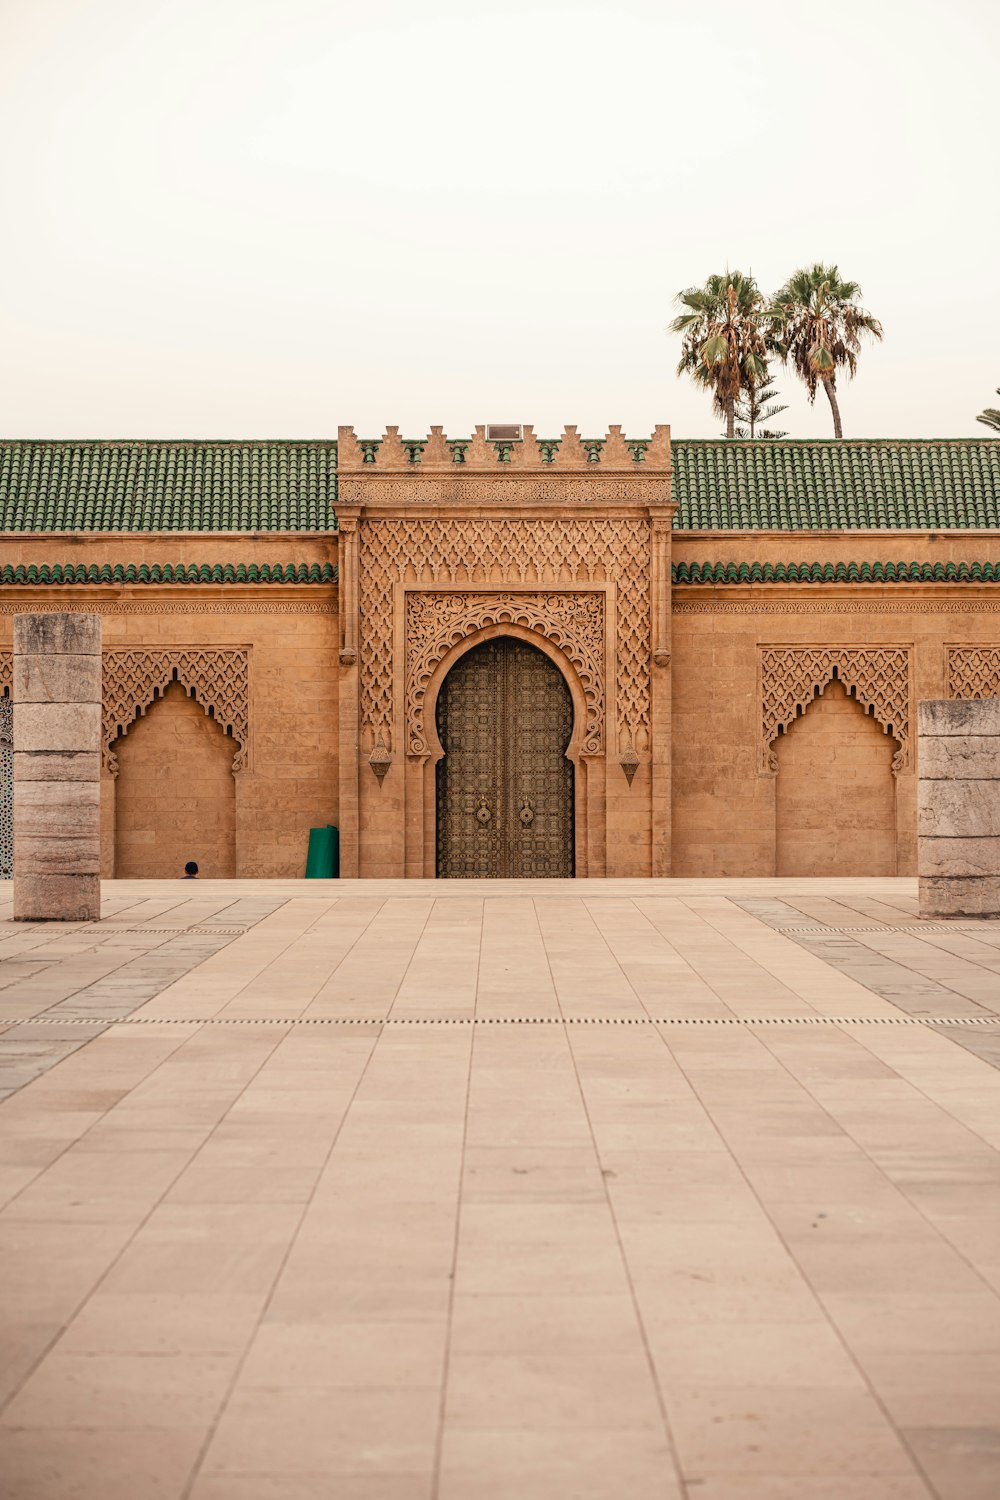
{"x":262,"y":218}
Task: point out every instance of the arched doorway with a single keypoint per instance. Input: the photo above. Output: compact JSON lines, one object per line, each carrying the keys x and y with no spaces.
{"x":504,"y":785}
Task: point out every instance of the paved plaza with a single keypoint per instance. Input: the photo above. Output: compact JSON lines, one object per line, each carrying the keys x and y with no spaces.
{"x":490,"y":1191}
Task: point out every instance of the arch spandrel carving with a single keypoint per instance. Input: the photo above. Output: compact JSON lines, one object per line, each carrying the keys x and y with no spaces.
{"x":218,"y":679}
{"x":557,"y":554}
{"x":436,"y":622}
{"x":791,"y":677}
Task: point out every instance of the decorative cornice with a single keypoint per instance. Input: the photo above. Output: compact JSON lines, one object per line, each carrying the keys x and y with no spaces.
{"x":916,"y":604}
{"x":715,"y":573}
{"x":114,"y":605}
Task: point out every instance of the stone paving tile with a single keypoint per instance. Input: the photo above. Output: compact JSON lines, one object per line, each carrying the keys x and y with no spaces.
{"x":933,"y":974}
{"x":664,"y":1222}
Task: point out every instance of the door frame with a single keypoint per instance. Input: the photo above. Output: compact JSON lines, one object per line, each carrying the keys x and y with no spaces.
{"x":574,"y":750}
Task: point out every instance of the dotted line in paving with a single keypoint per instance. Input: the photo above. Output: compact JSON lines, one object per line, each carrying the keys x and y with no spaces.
{"x":931,"y":927}
{"x":107,"y":929}
{"x":48,"y":1020}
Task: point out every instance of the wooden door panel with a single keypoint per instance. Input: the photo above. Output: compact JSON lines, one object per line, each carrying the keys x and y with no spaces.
{"x":540,"y":720}
{"x":504,"y":787}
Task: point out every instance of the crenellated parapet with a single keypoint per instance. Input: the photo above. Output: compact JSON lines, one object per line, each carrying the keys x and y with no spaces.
{"x":613,"y":468}
{"x":440,"y":454}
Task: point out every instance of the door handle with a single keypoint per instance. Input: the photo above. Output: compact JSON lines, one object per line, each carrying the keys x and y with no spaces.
{"x":484,"y":812}
{"x":527,"y":813}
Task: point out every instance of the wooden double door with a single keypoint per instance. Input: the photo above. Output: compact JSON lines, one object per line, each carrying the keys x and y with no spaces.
{"x":505,"y":785}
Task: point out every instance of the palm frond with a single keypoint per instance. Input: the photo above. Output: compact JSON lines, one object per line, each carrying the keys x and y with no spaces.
{"x":726,"y":336}
{"x":818,"y":325}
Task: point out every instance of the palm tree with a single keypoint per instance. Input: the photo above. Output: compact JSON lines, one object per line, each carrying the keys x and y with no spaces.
{"x":990,"y":417}
{"x":724,"y":332}
{"x":818,"y":325}
{"x":753,"y":408}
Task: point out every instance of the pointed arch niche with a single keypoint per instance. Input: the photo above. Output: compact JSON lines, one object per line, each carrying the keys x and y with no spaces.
{"x":175,"y":738}
{"x":792,"y":677}
{"x":835,"y":736}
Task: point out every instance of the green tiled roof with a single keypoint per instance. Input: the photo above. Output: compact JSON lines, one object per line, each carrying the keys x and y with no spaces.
{"x":292,"y":486}
{"x":823,"y":486}
{"x":841,"y":572}
{"x":33,"y":573}
{"x":183,"y":486}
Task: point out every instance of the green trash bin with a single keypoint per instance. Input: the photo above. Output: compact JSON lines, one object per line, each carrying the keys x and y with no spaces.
{"x":323,"y":857}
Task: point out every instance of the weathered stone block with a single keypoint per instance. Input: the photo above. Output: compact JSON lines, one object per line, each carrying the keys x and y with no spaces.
{"x":59,"y":634}
{"x":57,"y":726}
{"x":958,"y":809}
{"x":947,"y":716}
{"x":56,"y":854}
{"x":72,"y":796}
{"x":959,"y":857}
{"x":975,"y":896}
{"x":959,"y":757}
{"x":56,"y":765}
{"x":64,"y":816}
{"x":57,"y":679}
{"x":57,"y":898}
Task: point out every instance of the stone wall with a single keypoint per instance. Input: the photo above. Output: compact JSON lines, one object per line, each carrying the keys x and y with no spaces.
{"x":959,"y":808}
{"x":743,"y":659}
{"x":746,"y":658}
{"x":286,"y":782}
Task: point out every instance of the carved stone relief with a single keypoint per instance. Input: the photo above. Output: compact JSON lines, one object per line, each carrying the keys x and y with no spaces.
{"x":877,"y":676}
{"x":218,"y":679}
{"x":974,"y":671}
{"x":437,"y":622}
{"x":553,"y":553}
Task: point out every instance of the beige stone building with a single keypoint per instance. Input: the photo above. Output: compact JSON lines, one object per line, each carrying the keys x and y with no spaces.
{"x":511,"y":657}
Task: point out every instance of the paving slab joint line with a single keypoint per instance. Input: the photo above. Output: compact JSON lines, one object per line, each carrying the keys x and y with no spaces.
{"x":57,"y":1020}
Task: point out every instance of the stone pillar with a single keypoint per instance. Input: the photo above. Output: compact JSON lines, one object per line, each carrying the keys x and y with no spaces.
{"x":958,"y":808}
{"x":57,"y":767}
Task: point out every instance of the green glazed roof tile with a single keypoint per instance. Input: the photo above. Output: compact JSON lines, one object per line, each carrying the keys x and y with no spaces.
{"x":182,"y":486}
{"x":105,"y":573}
{"x":292,"y":486}
{"x":836,"y":486}
{"x":840,"y":572}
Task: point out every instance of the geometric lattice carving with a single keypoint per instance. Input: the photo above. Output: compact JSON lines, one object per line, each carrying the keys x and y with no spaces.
{"x":437,"y":622}
{"x":877,"y":676}
{"x":502,"y":551}
{"x":219,"y":680}
{"x":6,"y":672}
{"x":974,"y":671}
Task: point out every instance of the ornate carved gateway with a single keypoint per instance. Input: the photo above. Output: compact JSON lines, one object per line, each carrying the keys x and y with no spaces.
{"x":561,"y":545}
{"x":504,"y":785}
